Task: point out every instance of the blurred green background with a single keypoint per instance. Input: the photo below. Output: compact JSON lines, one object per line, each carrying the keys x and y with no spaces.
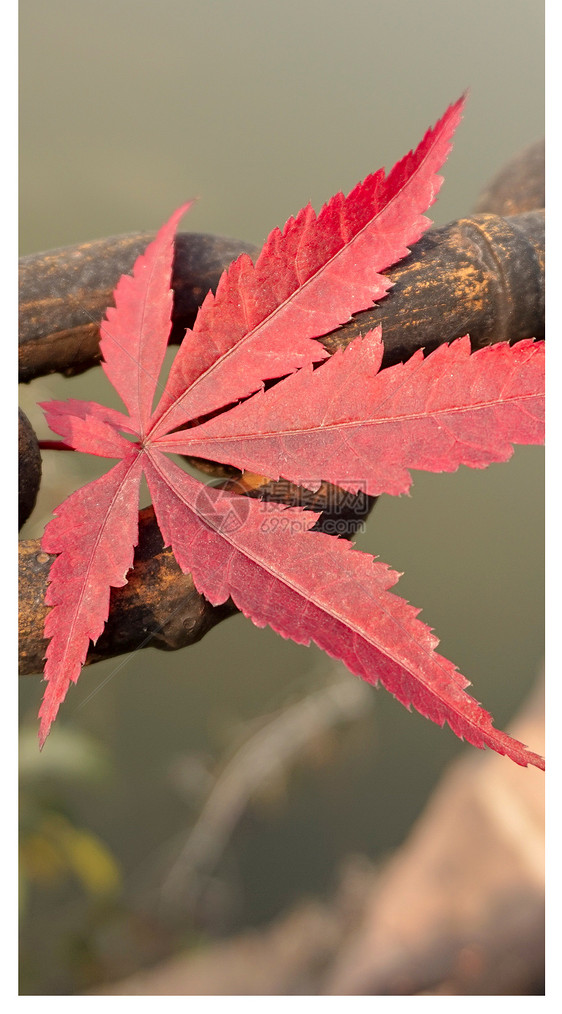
{"x":128,"y":108}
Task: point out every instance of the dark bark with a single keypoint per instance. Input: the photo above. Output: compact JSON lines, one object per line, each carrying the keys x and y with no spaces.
{"x":29,"y":470}
{"x":518,"y":187}
{"x":64,"y":294}
{"x":160,"y":605}
{"x":483,"y":275}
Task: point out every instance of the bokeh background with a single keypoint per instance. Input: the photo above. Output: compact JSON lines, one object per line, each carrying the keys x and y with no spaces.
{"x":128,"y":108}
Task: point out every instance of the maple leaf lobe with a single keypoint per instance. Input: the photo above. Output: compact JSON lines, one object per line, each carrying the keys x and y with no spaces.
{"x":308,"y":279}
{"x":360,"y":427}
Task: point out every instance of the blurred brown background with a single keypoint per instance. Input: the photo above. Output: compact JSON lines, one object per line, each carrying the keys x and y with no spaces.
{"x":127,"y":109}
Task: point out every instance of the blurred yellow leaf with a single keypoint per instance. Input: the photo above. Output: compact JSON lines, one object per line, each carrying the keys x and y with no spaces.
{"x":40,"y":859}
{"x":57,"y":848}
{"x":91,"y":861}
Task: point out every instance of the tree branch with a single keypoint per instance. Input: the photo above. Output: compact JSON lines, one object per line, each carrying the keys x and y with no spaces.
{"x":483,"y":275}
{"x":160,"y":606}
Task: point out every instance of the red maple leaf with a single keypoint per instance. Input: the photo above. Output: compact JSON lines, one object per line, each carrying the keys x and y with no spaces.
{"x":337,"y":421}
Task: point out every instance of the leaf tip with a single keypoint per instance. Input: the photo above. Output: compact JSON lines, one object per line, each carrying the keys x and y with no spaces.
{"x":531,"y":759}
{"x":44,"y":730}
{"x":457,"y":108}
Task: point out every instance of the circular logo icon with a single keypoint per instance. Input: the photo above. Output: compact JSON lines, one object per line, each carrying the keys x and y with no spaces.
{"x":224,"y":511}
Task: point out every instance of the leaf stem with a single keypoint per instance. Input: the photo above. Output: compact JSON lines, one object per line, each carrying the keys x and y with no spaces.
{"x":54,"y":445}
